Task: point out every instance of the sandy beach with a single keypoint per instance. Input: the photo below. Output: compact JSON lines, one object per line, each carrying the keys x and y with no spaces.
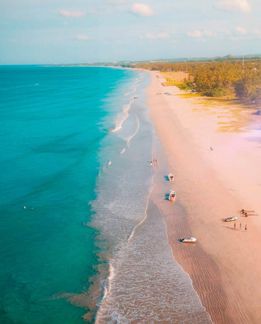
{"x":214,"y":151}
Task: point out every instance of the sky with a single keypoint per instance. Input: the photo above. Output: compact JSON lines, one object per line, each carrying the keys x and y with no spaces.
{"x":87,"y":31}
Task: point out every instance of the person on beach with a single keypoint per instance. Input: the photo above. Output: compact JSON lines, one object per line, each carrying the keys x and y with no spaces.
{"x":244,"y":211}
{"x":154,"y":162}
{"x":246,"y":227}
{"x":235,"y":225}
{"x":240,"y":225}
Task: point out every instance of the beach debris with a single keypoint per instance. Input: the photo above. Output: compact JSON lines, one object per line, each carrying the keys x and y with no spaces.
{"x":257,"y":113}
{"x":109,"y":163}
{"x":189,"y":239}
{"x":170,"y":177}
{"x":172,"y":195}
{"x":211,"y":148}
{"x":230,"y":219}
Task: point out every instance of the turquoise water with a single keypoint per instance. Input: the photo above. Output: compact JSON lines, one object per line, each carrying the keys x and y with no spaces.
{"x":52,"y":123}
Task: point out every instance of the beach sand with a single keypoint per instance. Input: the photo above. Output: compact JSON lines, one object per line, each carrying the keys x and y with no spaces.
{"x":214,"y":152}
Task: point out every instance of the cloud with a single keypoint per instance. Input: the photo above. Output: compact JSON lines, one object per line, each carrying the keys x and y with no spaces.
{"x":257,"y":33}
{"x":71,"y":13}
{"x":195,"y":34}
{"x":241,"y":30}
{"x":116,"y":2}
{"x":234,"y":5}
{"x":82,"y":37}
{"x":142,"y":9}
{"x":200,"y":33}
{"x":240,"y":33}
{"x":156,"y":35}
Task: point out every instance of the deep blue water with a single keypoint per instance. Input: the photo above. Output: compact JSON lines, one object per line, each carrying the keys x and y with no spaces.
{"x":52,"y":122}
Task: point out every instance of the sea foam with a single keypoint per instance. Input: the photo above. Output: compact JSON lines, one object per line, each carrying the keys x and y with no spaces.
{"x":145,"y":283}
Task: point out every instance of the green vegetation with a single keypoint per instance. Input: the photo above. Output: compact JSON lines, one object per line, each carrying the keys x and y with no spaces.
{"x":227,"y":78}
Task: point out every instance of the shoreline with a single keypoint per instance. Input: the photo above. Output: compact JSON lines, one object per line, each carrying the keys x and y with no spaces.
{"x":224,"y":273}
{"x":142,"y":275}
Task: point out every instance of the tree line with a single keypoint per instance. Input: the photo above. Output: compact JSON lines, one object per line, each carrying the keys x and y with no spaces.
{"x":240,"y":78}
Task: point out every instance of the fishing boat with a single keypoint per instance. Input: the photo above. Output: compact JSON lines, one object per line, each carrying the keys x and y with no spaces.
{"x":230,"y":219}
{"x":190,"y":239}
{"x":172,"y":195}
{"x":170,"y":177}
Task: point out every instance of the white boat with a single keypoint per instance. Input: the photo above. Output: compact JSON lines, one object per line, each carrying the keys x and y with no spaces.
{"x":172,"y":195}
{"x":190,"y":239}
{"x":170,"y":177}
{"x":231,"y":219}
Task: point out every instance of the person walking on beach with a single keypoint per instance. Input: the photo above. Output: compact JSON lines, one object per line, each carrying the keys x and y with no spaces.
{"x":155,"y":162}
{"x":246,"y":227}
{"x":240,"y":225}
{"x":235,"y":225}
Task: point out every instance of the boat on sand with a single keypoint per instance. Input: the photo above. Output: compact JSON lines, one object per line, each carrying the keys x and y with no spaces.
{"x":170,"y":177}
{"x":172,"y":195}
{"x":189,"y":239}
{"x":231,"y":219}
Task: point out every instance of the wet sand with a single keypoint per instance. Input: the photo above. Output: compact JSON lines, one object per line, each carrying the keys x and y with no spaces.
{"x":144,"y":284}
{"x":214,"y":151}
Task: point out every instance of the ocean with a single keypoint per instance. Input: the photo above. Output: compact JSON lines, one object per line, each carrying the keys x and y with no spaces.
{"x":53,"y":120}
{"x":76,"y":220}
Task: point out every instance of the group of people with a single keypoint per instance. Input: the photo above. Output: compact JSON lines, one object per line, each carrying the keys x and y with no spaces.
{"x":240,"y":226}
{"x":245,"y":213}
